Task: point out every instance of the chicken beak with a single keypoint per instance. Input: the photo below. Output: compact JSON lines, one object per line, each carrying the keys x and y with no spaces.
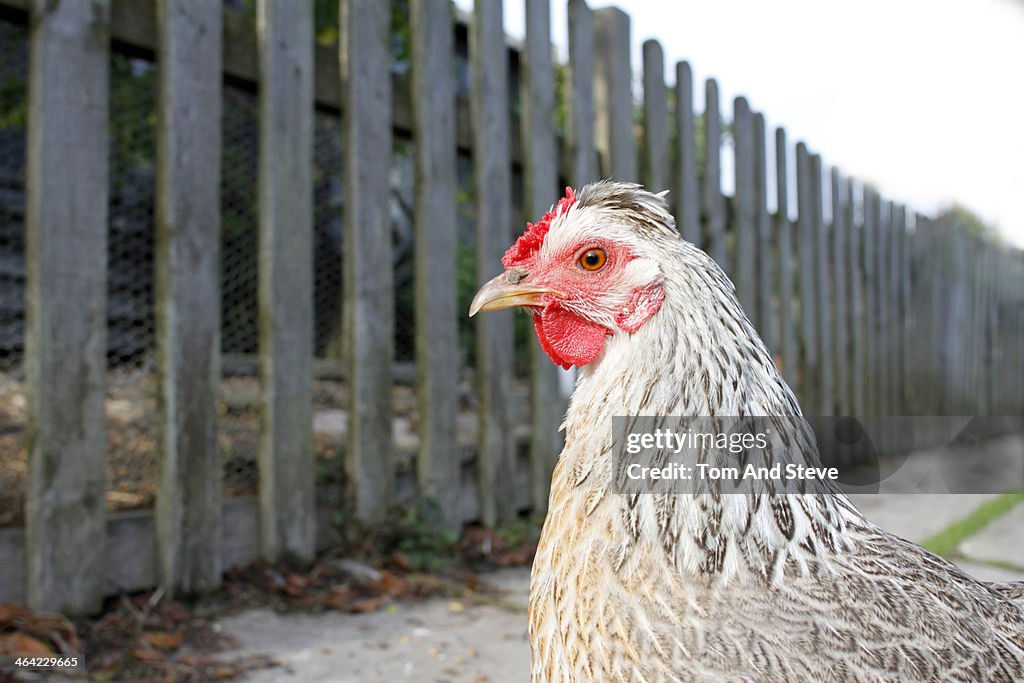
{"x":499,"y":293}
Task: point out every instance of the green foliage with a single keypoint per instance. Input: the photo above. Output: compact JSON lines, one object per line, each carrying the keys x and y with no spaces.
{"x":958,"y":214}
{"x":563,"y":95}
{"x":947,"y":541}
{"x":521,"y":530}
{"x":13,"y":103}
{"x":13,"y":87}
{"x":325,"y":21}
{"x":326,"y":26}
{"x":416,"y":532}
{"x":465,"y":288}
{"x":401,"y":32}
{"x":133,"y":86}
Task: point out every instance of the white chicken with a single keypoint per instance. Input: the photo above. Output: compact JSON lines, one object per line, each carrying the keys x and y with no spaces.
{"x":663,"y":587}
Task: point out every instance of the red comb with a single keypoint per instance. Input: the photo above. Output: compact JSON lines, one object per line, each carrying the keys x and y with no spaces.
{"x":529,"y":242}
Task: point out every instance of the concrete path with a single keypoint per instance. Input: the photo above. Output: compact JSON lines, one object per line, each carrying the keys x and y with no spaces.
{"x":1001,"y":542}
{"x":441,"y":641}
{"x":436,"y":640}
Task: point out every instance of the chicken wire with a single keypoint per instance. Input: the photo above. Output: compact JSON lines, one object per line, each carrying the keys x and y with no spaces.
{"x":13,"y":109}
{"x":131,"y":388}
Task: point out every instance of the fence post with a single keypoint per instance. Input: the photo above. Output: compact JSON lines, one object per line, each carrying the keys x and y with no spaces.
{"x":1006,"y":389}
{"x":883,"y":322}
{"x":989,"y":312}
{"x":858,"y":331}
{"x":655,"y":142}
{"x":975,"y":349}
{"x":891,"y":263}
{"x":784,"y":231}
{"x":765,"y":247}
{"x":919,"y":360}
{"x":686,"y":199}
{"x":437,"y":365}
{"x":822,"y":294}
{"x":941,"y":237}
{"x":885,"y":319}
{"x":287,"y":477}
{"x":187,"y":289}
{"x":581,"y":101}
{"x":956,"y":325}
{"x":900,"y":312}
{"x":744,"y":273}
{"x":970,"y":329}
{"x":494,"y":334}
{"x":613,"y":95}
{"x":1016,"y":346}
{"x":941,"y":274}
{"x":541,"y":173}
{"x":810,"y":368}
{"x":840,"y":286}
{"x":66,"y":307}
{"x":365,"y":57}
{"x":936,"y":270}
{"x":711,"y":198}
{"x":870,"y":244}
{"x":987,"y":275}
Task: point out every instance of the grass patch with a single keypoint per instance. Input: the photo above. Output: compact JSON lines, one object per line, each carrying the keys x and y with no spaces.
{"x":1000,"y":564}
{"x":946,"y":542}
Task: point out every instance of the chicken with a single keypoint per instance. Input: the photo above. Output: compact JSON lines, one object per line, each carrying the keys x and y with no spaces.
{"x":698,"y":586}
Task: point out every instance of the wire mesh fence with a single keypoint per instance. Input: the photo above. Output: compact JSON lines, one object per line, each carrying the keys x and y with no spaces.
{"x":13,"y":408}
{"x":131,"y":405}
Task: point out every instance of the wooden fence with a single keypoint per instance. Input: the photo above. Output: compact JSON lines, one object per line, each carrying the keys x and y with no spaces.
{"x":869,"y":308}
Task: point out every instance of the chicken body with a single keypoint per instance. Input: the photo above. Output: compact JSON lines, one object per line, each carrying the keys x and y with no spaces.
{"x":681,"y":587}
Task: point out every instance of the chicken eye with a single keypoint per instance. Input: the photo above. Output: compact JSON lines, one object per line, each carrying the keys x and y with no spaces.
{"x":593,"y":259}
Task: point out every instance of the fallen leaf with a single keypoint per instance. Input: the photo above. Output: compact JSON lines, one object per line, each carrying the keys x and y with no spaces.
{"x":293,"y":592}
{"x":163,"y":640}
{"x":297,"y":581}
{"x":392,"y":584}
{"x":339,"y":598}
{"x":366,"y":605}
{"x":401,"y":561}
{"x":175,"y":611}
{"x":199,"y":660}
{"x":9,"y":612}
{"x":145,"y":654}
{"x":18,"y":643}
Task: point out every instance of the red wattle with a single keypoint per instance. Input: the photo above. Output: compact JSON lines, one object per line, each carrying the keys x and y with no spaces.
{"x":567,"y":338}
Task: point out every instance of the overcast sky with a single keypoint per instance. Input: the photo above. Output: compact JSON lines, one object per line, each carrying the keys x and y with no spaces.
{"x":923,"y":98}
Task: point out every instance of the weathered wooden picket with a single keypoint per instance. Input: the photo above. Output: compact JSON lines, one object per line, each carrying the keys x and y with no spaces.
{"x":866,"y":312}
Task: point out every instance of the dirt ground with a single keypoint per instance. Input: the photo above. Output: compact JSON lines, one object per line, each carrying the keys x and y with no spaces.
{"x":446,"y":641}
{"x":436,"y":640}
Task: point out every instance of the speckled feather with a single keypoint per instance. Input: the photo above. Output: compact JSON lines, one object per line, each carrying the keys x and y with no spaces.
{"x":659,"y":588}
